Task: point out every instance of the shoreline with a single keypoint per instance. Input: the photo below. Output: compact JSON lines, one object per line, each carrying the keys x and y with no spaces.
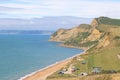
{"x":70,"y":46}
{"x":50,"y":69}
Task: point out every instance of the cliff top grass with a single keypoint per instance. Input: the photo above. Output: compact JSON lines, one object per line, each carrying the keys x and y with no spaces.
{"x":107,"y":57}
{"x":108,"y":21}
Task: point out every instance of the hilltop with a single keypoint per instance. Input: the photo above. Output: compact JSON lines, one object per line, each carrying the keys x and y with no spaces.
{"x":101,"y":31}
{"x":102,"y":39}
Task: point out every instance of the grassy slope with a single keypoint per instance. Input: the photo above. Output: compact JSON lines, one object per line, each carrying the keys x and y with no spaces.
{"x":107,"y":59}
{"x":104,"y":57}
{"x":76,"y":41}
{"x":108,"y":21}
{"x":92,"y":77}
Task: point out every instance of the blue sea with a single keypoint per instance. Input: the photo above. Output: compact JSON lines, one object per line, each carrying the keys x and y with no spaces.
{"x":22,"y":54}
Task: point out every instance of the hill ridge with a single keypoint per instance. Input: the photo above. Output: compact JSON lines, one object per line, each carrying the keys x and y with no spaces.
{"x":103,"y":39}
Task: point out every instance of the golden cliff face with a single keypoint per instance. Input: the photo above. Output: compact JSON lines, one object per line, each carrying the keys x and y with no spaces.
{"x":57,"y":36}
{"x":64,"y":34}
{"x":95,"y":34}
{"x":87,"y":34}
{"x":105,"y":41}
{"x":94,"y":23}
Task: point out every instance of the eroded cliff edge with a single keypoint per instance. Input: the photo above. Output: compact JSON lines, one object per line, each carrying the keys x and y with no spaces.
{"x":102,"y":39}
{"x":86,"y":35}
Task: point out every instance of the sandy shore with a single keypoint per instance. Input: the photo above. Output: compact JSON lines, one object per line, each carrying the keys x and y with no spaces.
{"x":42,"y":75}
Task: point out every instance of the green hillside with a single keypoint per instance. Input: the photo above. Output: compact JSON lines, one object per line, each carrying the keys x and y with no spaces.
{"x":103,"y":41}
{"x":108,"y":21}
{"x":105,"y":57}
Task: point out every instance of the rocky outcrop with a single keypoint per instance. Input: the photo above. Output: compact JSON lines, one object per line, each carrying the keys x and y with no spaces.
{"x":64,"y":34}
{"x":101,"y":37}
{"x":78,"y":36}
{"x":58,"y":36}
{"x":94,"y":23}
{"x":105,"y":41}
{"x":85,"y":35}
{"x":95,"y":34}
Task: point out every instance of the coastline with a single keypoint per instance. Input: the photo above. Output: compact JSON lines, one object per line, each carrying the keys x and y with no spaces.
{"x":70,"y":46}
{"x":42,"y":74}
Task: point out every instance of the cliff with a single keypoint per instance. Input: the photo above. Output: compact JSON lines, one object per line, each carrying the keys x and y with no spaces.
{"x":64,"y":34}
{"x":87,"y":35}
{"x":102,"y":39}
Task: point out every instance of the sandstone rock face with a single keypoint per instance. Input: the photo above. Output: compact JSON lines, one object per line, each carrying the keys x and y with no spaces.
{"x":85,"y":34}
{"x":88,"y":33}
{"x":64,"y":34}
{"x":95,"y":34}
{"x":105,"y":41}
{"x":94,"y":23}
{"x":58,"y":36}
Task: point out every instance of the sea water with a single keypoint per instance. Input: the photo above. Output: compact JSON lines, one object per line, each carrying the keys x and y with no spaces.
{"x":22,"y":54}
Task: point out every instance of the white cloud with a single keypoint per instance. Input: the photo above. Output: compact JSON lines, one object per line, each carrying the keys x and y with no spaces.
{"x":2,"y":8}
{"x":81,"y":8}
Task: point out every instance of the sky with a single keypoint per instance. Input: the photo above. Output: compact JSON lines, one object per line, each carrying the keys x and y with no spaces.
{"x":42,"y":8}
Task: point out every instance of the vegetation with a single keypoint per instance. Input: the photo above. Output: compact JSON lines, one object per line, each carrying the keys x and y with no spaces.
{"x":106,"y":57}
{"x":75,"y":41}
{"x":57,"y":76}
{"x":88,"y":44}
{"x":108,"y":21}
{"x":85,"y":26}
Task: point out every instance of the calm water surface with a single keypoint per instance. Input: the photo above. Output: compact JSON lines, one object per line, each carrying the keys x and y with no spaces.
{"x":23,"y":54}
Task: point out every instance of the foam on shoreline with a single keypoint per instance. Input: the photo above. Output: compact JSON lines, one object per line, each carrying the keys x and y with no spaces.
{"x":50,"y":66}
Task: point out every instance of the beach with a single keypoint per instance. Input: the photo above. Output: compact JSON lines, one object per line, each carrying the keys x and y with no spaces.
{"x":44,"y":73}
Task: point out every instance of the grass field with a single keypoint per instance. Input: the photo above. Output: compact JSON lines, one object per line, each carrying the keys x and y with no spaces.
{"x":105,"y":57}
